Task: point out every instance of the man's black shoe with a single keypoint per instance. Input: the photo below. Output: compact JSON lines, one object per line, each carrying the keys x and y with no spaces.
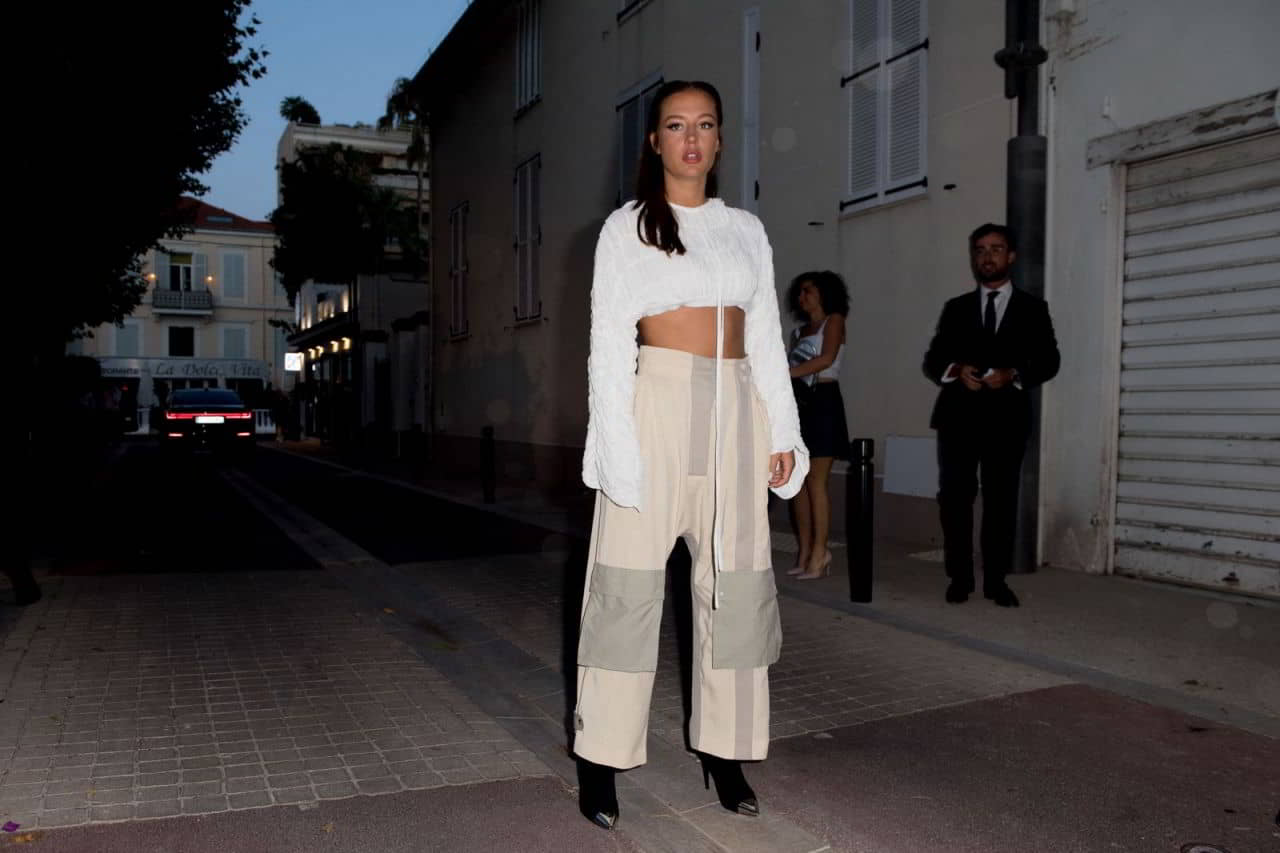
{"x":958,"y":593}
{"x":1001,"y":595}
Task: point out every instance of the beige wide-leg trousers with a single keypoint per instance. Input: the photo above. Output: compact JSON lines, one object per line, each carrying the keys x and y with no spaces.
{"x":734,"y":643}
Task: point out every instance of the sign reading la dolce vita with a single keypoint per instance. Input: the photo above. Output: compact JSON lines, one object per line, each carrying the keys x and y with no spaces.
{"x":186,"y":368}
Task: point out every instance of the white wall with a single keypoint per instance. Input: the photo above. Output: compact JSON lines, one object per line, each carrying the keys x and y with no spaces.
{"x":1116,"y":64}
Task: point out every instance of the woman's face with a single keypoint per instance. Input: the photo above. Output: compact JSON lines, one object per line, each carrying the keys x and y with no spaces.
{"x":688,"y":135}
{"x":809,"y":299}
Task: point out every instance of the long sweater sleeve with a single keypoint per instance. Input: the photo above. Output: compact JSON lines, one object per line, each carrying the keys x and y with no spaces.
{"x":611,"y":460}
{"x":768,"y":360}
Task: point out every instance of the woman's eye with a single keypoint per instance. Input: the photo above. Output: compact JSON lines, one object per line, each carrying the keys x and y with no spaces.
{"x":707,"y":125}
{"x":675,"y":125}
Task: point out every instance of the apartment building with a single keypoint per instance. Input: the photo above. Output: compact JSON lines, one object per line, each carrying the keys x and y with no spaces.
{"x":870,"y":137}
{"x":206,"y":318}
{"x":364,"y":344}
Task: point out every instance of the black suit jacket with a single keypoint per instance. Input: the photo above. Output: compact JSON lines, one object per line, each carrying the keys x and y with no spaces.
{"x":1024,"y":341}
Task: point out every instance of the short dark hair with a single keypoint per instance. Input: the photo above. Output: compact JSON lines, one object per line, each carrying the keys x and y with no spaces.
{"x":992,"y":228}
{"x":831,"y":292}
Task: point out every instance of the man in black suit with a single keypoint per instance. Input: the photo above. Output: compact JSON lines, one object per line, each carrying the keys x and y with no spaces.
{"x":992,"y":346}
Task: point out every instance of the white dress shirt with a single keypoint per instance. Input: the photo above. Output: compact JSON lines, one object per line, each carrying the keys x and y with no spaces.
{"x":1003,"y":293}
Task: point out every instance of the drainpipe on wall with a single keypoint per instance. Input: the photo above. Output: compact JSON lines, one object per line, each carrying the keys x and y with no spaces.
{"x":1025,"y":201}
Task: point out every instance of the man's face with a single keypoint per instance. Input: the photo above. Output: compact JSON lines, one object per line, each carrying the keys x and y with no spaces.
{"x":991,"y":259}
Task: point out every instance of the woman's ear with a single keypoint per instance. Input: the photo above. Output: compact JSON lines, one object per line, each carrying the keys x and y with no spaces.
{"x":653,"y":143}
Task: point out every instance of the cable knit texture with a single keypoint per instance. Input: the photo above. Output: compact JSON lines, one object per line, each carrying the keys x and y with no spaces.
{"x":725,"y":247}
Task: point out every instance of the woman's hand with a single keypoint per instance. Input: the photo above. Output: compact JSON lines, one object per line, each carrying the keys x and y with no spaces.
{"x":780,"y":467}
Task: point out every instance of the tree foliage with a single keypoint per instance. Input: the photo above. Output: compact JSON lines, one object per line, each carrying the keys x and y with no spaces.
{"x":403,"y":111}
{"x":298,"y":109}
{"x":335,"y":222}
{"x":156,"y":99}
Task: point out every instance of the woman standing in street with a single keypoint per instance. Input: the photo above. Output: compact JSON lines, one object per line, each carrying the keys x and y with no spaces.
{"x":820,"y":301}
{"x":687,"y":432}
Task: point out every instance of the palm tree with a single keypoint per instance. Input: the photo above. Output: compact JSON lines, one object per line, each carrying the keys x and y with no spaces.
{"x":405,"y":111}
{"x":298,"y":109}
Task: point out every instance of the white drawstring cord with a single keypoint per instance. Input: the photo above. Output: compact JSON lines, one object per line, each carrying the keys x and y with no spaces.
{"x":717,"y":549}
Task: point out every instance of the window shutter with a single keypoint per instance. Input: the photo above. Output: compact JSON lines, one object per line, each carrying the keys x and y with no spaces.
{"x":233,"y":343}
{"x":906,"y":26}
{"x":537,"y":50}
{"x":127,"y":340}
{"x":463,"y":274}
{"x":535,"y":236}
{"x":866,"y":29}
{"x":233,"y":276}
{"x":200,"y":271}
{"x":864,"y":134}
{"x":160,"y":266}
{"x":522,"y":237}
{"x":906,"y":140}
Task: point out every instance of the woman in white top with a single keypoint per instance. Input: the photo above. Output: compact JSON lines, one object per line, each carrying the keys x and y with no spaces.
{"x":687,"y":432}
{"x":820,"y":301}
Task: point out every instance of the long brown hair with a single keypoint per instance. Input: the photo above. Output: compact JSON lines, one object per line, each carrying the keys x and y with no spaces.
{"x":657,"y":225}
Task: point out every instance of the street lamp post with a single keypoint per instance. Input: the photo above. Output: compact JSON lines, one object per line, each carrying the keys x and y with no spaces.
{"x":1021,"y":58}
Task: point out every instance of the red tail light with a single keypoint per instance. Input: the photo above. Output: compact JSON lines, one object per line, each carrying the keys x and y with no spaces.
{"x":186,"y":416}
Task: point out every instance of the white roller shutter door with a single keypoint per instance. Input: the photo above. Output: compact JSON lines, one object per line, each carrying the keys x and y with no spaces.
{"x":1198,"y":475}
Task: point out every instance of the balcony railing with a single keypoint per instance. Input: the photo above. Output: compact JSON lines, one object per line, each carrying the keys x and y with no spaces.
{"x":182,"y":300}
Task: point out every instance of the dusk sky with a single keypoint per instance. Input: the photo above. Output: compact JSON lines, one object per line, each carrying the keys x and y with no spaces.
{"x":341,"y":56}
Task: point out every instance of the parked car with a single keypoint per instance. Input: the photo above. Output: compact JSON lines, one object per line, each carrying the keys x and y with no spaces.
{"x":207,"y":418}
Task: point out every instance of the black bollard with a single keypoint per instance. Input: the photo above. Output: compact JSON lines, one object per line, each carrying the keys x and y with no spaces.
{"x":859,"y":517}
{"x":488,"y":467}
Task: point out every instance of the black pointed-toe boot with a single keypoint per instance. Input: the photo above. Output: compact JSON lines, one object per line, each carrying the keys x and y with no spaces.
{"x":731,"y":786}
{"x":597,"y":795}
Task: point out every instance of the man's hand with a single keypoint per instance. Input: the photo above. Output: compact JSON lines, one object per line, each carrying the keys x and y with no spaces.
{"x":968,"y":375}
{"x":780,"y":467}
{"x":998,"y":378}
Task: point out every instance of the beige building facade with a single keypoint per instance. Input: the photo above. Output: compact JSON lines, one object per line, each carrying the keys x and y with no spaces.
{"x":1162,"y":434}
{"x":870,"y":137}
{"x":792,"y":77}
{"x":205,"y":320}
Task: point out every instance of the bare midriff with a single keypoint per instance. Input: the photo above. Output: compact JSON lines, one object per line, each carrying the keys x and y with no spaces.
{"x":693,"y":330}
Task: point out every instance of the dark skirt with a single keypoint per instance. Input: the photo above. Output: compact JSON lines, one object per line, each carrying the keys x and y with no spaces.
{"x":822,"y":421}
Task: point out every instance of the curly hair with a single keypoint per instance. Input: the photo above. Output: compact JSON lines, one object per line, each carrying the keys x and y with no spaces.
{"x":832,"y":293}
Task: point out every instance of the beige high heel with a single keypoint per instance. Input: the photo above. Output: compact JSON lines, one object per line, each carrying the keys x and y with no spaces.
{"x":821,"y":571}
{"x":798,"y":568}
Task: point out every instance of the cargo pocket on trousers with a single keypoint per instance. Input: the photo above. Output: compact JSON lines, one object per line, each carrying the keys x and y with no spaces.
{"x":746,"y":629}
{"x":621,"y":618}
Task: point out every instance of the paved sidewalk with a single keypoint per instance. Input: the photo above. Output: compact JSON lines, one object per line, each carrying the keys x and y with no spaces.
{"x":895,"y":729}
{"x":157,"y":695}
{"x":1204,"y":653}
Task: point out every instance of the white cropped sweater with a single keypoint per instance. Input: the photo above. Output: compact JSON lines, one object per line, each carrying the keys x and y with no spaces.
{"x":728,"y":261}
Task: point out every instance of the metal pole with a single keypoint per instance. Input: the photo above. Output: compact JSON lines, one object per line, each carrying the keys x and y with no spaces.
{"x":860,"y":518}
{"x":1026,"y":197}
{"x":488,"y":466}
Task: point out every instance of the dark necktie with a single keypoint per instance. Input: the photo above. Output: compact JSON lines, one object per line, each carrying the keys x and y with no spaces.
{"x":989,"y":316}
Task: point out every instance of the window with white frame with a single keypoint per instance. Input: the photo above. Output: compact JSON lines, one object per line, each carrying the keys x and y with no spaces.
{"x":187,"y":271}
{"x":235,"y":341}
{"x":458,"y":270}
{"x":633,"y":112}
{"x":887,"y":88}
{"x":128,"y":339}
{"x":528,"y":243}
{"x":528,"y":53}
{"x":233,"y":276}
